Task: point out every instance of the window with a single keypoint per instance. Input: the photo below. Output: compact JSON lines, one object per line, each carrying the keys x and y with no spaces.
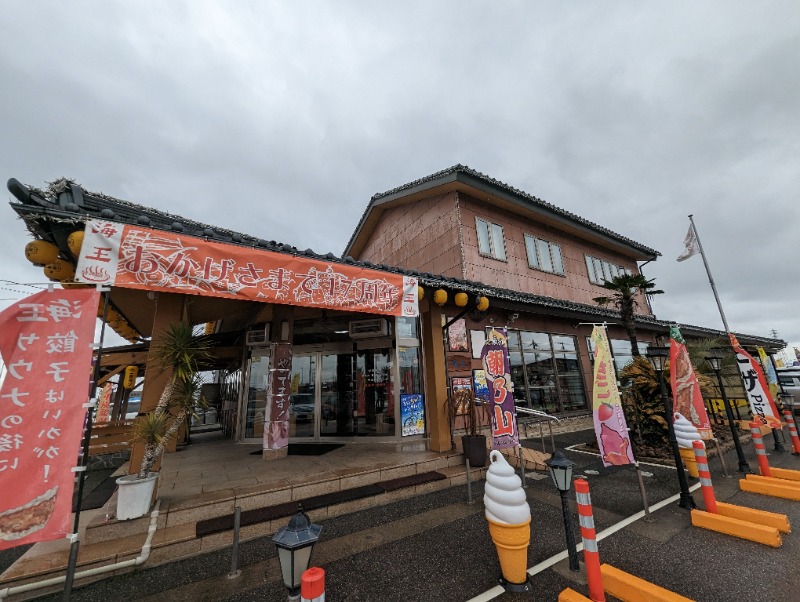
{"x":490,"y":239}
{"x":543,"y":255}
{"x":601,"y":271}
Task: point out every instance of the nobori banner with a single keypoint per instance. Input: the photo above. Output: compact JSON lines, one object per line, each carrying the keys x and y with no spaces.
{"x":134,"y":257}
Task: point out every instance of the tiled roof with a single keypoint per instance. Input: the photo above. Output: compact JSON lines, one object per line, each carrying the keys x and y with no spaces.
{"x":533,"y":202}
{"x":65,"y":202}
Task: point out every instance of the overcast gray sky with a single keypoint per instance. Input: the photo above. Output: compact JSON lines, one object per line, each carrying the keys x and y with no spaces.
{"x":281,"y":119}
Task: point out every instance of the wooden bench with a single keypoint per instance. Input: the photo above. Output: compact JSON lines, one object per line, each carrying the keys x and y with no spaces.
{"x":110,"y":437}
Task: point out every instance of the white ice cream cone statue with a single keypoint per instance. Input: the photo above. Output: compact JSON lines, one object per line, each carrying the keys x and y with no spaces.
{"x":509,"y":518}
{"x":685,"y":434}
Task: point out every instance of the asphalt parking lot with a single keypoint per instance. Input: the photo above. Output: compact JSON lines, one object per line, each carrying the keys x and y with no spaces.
{"x":436,"y":547}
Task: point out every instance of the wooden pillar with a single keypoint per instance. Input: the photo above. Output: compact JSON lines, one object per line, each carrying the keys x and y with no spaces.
{"x":169,"y":309}
{"x":436,"y":413}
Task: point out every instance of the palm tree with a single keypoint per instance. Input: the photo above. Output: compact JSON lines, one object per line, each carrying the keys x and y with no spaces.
{"x":182,"y":353}
{"x":625,"y":288}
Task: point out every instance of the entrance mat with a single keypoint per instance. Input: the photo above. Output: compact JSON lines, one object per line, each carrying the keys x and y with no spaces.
{"x":307,"y":449}
{"x":260,"y":515}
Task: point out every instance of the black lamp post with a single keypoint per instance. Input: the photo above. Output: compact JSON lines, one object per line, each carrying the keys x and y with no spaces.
{"x":295,"y":542}
{"x":658,"y":356}
{"x":560,"y":468}
{"x":714,"y":358}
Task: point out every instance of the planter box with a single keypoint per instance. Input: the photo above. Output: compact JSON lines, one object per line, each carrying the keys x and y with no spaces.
{"x":135,"y":495}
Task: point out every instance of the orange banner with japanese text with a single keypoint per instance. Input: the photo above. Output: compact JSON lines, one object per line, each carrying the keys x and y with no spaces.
{"x":46,"y":344}
{"x":136,"y":257}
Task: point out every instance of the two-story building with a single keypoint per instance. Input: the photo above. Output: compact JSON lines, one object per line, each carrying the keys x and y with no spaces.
{"x":355,"y":369}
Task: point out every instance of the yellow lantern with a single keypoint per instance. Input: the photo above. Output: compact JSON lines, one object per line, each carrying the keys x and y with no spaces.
{"x":420,"y":293}
{"x":483,"y":303}
{"x":461,"y":299}
{"x":41,"y":252}
{"x":440,"y":297}
{"x":59,"y":270}
{"x":131,"y":372}
{"x":75,"y":241}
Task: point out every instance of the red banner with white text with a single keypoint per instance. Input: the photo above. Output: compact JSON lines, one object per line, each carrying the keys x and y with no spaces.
{"x":755,"y":386}
{"x":46,"y":344}
{"x":135,"y":257}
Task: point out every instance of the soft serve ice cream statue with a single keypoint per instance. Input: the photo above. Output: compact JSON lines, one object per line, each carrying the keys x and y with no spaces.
{"x":509,"y":517}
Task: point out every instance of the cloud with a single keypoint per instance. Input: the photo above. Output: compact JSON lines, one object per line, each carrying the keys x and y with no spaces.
{"x":282,"y":119}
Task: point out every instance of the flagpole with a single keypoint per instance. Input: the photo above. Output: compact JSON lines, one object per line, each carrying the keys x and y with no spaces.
{"x":710,"y":278}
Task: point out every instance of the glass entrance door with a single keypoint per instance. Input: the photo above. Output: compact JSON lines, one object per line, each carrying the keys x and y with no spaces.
{"x":257,"y":379}
{"x":342,"y":394}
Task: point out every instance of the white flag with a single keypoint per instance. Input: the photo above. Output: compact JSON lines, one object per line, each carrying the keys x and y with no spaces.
{"x":692,"y":246}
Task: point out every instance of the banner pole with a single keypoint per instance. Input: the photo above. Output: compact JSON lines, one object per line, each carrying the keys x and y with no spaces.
{"x":84,"y":459}
{"x":710,"y":278}
{"x":642,"y":491}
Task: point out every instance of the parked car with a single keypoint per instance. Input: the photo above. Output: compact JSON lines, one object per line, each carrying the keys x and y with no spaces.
{"x":789,"y":379}
{"x":301,"y":406}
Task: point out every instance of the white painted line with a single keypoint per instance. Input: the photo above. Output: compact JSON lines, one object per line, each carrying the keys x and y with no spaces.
{"x":583,"y":451}
{"x":546,"y":564}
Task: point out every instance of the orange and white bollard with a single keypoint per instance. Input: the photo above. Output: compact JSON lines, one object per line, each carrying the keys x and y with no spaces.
{"x":591,"y":557}
{"x":312,"y":585}
{"x":761,"y":452}
{"x":787,"y":414}
{"x":705,"y":476}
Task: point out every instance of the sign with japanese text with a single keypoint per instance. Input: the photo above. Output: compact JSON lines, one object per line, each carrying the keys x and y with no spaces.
{"x":686,"y":395}
{"x":276,"y":412}
{"x":610,"y":426}
{"x":755,"y":386}
{"x":494,"y":358}
{"x":136,"y":257}
{"x":46,"y":344}
{"x":412,"y":414}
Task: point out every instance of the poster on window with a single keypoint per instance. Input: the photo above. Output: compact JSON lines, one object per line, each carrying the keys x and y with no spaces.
{"x":459,"y":383}
{"x":457,"y":336}
{"x":480,"y":387}
{"x":412,"y":414}
{"x":46,"y":345}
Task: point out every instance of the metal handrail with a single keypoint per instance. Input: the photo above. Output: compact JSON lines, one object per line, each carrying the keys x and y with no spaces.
{"x":540,"y":414}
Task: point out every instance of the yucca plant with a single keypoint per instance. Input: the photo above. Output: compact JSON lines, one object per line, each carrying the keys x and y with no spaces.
{"x":183,"y":354}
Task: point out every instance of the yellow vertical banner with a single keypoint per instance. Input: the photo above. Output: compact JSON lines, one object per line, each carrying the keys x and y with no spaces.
{"x":610,"y":426}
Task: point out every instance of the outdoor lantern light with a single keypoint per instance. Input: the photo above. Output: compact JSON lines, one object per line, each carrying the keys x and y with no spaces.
{"x":461,"y":299}
{"x":483,"y":303}
{"x":714,"y":358}
{"x":420,"y":293}
{"x":295,"y":543}
{"x":75,"y":242}
{"x":560,"y":468}
{"x":440,"y":297}
{"x":658,"y":356}
{"x":41,"y":252}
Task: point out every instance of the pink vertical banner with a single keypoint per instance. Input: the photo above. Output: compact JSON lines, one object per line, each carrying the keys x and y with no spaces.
{"x":686,"y":395}
{"x":46,"y":344}
{"x":494,"y":357}
{"x":276,"y":419}
{"x":610,"y":426}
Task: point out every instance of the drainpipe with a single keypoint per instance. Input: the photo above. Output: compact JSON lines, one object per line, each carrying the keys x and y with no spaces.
{"x":141,"y":559}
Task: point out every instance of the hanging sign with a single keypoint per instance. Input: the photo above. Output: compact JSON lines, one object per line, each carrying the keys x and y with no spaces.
{"x":755,"y":385}
{"x":46,"y":345}
{"x":686,"y":395}
{"x":494,"y":357}
{"x":610,"y":426}
{"x":136,"y":257}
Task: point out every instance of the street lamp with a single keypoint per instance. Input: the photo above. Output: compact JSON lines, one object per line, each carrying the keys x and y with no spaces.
{"x":560,"y":468}
{"x":658,"y":357}
{"x":295,"y":543}
{"x":714,"y":358}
